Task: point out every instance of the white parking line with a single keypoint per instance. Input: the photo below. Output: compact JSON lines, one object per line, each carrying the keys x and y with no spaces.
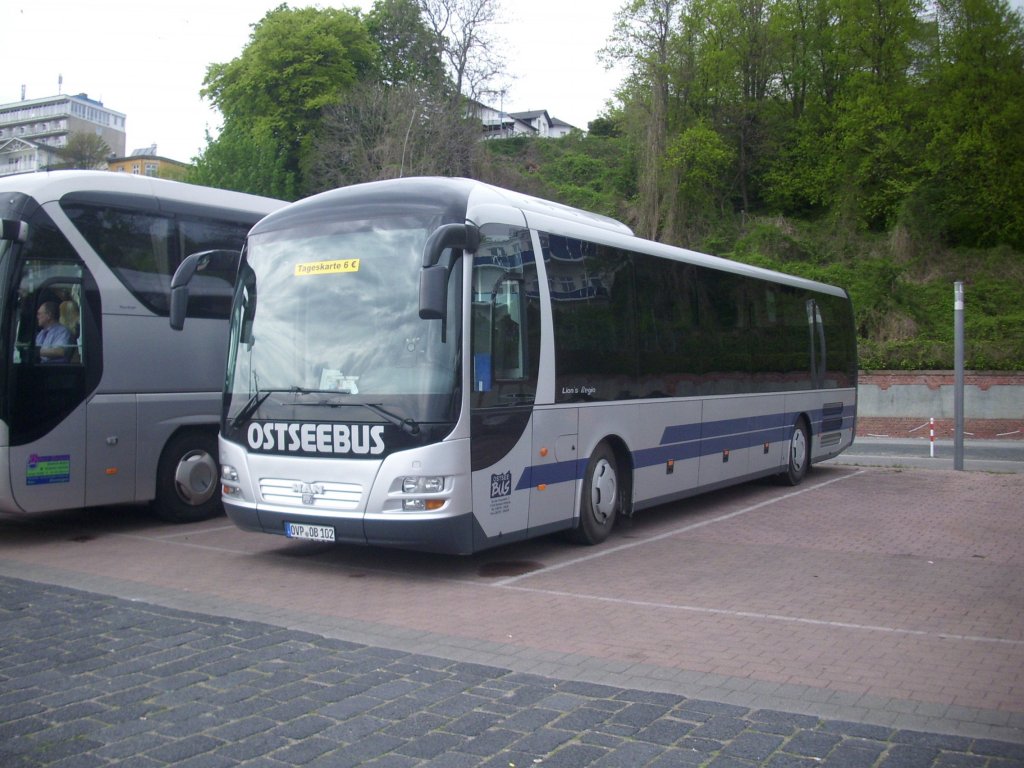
{"x":604,"y":552}
{"x":770,"y":617}
{"x":188,"y":544}
{"x":511,"y":584}
{"x":182,"y":534}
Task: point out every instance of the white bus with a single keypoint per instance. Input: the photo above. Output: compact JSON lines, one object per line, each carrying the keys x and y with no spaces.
{"x":122,"y":409}
{"x":443,"y":365}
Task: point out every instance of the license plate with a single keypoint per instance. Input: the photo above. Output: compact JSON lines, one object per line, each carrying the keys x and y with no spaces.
{"x":310,"y":532}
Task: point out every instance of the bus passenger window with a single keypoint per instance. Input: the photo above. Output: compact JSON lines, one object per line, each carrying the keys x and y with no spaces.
{"x":71,"y":318}
{"x":506,"y":339}
{"x":505,"y":328}
{"x":48,"y":314}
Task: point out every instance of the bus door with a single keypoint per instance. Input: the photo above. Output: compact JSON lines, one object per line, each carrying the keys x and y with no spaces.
{"x":505,"y":340}
{"x":47,"y":385}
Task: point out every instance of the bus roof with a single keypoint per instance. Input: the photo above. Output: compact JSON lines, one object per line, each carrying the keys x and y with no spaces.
{"x":47,"y":186}
{"x":460,"y":198}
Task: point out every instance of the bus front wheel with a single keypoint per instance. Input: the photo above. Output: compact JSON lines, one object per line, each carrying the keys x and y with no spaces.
{"x":799,"y":454}
{"x":187,"y":481}
{"x":602,"y":497}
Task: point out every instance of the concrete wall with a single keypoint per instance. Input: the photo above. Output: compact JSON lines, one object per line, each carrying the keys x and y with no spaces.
{"x":895,"y":402}
{"x":930,"y":394}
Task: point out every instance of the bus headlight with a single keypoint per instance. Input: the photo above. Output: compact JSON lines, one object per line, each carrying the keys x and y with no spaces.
{"x":422,"y":484}
{"x":229,"y":481}
{"x":415,"y":485}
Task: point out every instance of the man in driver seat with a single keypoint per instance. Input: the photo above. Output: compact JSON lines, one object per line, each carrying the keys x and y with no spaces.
{"x":53,"y":340}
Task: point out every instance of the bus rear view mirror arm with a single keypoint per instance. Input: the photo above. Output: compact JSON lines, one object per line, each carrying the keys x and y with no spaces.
{"x":434,"y":274}
{"x":464,"y":236}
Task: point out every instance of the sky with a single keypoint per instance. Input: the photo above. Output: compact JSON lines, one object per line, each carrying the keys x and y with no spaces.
{"x":147,"y":59}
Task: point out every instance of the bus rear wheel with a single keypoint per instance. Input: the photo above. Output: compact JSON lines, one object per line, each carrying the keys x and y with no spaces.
{"x":799,"y":454}
{"x":187,"y":480}
{"x":602,"y":497}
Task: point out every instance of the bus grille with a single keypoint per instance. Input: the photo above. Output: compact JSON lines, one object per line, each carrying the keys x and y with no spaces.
{"x":295,"y":493}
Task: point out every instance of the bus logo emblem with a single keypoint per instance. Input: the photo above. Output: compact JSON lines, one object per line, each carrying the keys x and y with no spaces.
{"x":309,"y":492}
{"x":501,"y":485}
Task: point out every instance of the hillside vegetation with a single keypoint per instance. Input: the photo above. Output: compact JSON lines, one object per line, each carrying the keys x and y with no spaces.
{"x":901,"y":284}
{"x":874,"y":144}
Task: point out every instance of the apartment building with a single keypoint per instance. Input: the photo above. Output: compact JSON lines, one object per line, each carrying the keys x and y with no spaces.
{"x":32,"y":129}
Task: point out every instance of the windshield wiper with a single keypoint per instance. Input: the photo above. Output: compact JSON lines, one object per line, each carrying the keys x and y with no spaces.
{"x":255,"y":402}
{"x":407,"y":425}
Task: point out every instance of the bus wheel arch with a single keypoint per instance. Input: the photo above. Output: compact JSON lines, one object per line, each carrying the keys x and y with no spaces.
{"x":188,"y":477}
{"x":606,"y":493}
{"x":798,"y":453}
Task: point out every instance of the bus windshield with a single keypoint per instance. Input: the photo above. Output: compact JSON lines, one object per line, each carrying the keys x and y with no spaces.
{"x":325,"y":326}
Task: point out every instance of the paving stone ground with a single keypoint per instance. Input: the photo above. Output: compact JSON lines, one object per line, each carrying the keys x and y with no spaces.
{"x":94,"y":680}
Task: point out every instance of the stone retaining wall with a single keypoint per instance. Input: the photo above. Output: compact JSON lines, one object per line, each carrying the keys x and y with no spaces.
{"x":900,"y":404}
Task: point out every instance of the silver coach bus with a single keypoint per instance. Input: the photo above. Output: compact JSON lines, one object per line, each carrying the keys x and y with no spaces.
{"x":123,"y":409}
{"x":443,"y":365}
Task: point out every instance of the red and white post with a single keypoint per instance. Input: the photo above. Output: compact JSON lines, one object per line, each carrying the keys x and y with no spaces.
{"x":931,"y":437}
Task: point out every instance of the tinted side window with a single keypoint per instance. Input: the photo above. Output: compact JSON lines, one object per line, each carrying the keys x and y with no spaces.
{"x":840,"y":342}
{"x":789,"y":345}
{"x":726,"y":364}
{"x":593,"y":301}
{"x":144,"y":247}
{"x":669,"y":339}
{"x":139,"y":246}
{"x":634,"y":325}
{"x":210,"y":291}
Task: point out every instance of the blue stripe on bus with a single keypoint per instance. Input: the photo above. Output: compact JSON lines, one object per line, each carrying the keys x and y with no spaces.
{"x":686,"y":441}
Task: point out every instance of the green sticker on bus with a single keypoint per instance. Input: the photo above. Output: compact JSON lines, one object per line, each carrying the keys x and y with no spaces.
{"x":43,"y":470}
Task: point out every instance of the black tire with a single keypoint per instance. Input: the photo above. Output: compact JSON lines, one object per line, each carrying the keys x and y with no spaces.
{"x":601,"y":499}
{"x":188,"y":479}
{"x":799,"y":461}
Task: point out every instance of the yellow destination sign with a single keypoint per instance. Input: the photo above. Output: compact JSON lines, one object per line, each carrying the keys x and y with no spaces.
{"x":326,"y":267}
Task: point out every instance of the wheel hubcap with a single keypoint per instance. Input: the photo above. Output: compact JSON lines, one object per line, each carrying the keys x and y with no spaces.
{"x":196,"y":477}
{"x":603,"y":491}
{"x":798,"y":449}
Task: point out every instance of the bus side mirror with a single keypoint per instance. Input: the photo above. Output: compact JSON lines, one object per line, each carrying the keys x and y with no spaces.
{"x":196,"y":262}
{"x":434,"y":274}
{"x":179,"y":289}
{"x":14,"y":230}
{"x":434,"y":292}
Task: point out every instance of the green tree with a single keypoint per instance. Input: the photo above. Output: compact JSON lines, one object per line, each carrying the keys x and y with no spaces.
{"x":410,"y":51}
{"x":84,"y":151}
{"x":297,"y":61}
{"x":403,"y":123}
{"x":809,"y":70}
{"x":642,"y":38}
{"x":246,"y":159}
{"x":380,"y":132}
{"x":974,"y":158}
{"x":800,"y":173}
{"x":738,"y":74}
{"x":703,"y":159}
{"x":850,"y":72}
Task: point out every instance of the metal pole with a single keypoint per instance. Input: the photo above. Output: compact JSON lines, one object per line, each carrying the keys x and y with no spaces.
{"x":958,"y":380}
